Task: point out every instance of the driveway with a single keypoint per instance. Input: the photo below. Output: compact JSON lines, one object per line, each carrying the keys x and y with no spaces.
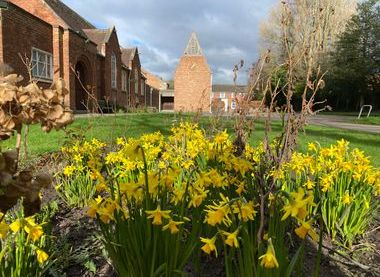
{"x":343,"y":122}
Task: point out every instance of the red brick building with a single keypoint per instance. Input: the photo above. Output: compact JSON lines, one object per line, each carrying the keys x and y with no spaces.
{"x":225,"y":98}
{"x":192,"y":80}
{"x":154,"y":86}
{"x":59,"y":43}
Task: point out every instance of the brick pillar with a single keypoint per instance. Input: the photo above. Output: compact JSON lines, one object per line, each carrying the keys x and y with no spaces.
{"x":70,"y":98}
{"x":57,"y":56}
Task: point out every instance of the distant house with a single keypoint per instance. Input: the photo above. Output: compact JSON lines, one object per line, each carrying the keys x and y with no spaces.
{"x":59,"y":43}
{"x":135,"y":79}
{"x":154,"y":86}
{"x":225,"y":97}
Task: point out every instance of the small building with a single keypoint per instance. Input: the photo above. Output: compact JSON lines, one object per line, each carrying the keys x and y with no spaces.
{"x":192,"y":80}
{"x":154,"y":86}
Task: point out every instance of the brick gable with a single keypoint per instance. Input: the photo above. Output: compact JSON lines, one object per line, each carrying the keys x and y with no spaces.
{"x":192,"y":84}
{"x":192,"y":80}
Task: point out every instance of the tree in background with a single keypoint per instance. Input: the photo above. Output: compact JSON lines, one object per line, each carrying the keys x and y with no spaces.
{"x":326,"y":17}
{"x":312,"y":28}
{"x":354,"y":77}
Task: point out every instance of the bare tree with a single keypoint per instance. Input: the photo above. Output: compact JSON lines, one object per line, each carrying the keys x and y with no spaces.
{"x":312,"y":26}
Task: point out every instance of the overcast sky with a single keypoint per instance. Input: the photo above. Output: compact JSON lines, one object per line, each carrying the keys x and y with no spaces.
{"x":227,"y":30}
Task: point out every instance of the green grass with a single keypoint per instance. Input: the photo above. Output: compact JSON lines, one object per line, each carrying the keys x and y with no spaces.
{"x":134,"y":125}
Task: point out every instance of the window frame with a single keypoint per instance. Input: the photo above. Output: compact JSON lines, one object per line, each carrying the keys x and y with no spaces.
{"x":35,"y":65}
{"x":137,"y":81}
{"x":222,"y":95}
{"x":142,"y":84}
{"x":113,"y":71}
{"x":124,"y":80}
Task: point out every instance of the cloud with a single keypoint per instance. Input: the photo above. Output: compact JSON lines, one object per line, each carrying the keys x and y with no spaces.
{"x":228,"y":30}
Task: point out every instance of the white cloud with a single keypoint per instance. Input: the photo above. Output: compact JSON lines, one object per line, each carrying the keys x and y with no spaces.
{"x":227,"y":30}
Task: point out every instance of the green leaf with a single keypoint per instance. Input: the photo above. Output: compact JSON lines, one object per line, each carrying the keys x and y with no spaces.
{"x":159,"y":270}
{"x":294,"y":261}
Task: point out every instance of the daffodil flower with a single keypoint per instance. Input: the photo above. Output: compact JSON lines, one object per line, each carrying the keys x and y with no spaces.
{"x":268,"y":260}
{"x":209,"y":245}
{"x":157,"y":215}
{"x":306,"y":229}
{"x":231,"y":238}
{"x":42,"y":256}
{"x":172,"y":226}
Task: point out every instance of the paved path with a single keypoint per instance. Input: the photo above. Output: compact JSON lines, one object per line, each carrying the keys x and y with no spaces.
{"x":343,"y":122}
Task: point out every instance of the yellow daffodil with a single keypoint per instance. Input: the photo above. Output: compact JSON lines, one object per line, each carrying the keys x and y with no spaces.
{"x":268,"y":260}
{"x":16,"y":225}
{"x":35,"y":232}
{"x":157,"y":215}
{"x":221,"y":138}
{"x":4,"y":228}
{"x":298,"y":204}
{"x":346,"y":198}
{"x":231,"y":238}
{"x":245,"y":211}
{"x":94,"y":206}
{"x":326,"y":182}
{"x":312,"y":147}
{"x":107,"y":209}
{"x":172,"y":226}
{"x":309,"y":184}
{"x":306,"y":229}
{"x":42,"y":256}
{"x":218,"y":213}
{"x":209,"y":245}
{"x":197,"y":197}
{"x":69,"y":170}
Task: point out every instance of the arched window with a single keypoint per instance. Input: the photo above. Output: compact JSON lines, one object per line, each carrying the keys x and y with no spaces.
{"x":136,"y":81}
{"x":113,"y":71}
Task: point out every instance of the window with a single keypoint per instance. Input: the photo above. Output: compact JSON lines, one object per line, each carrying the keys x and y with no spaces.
{"x":124,"y":81}
{"x":42,"y":64}
{"x":142,"y":86}
{"x":113,"y":71}
{"x":136,"y":81}
{"x":222,"y":95}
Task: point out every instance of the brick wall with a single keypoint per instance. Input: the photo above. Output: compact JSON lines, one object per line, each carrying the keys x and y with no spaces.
{"x":41,"y":10}
{"x":155,"y":98}
{"x":192,"y":84}
{"x":20,"y":31}
{"x":114,"y":94}
{"x":136,"y":98}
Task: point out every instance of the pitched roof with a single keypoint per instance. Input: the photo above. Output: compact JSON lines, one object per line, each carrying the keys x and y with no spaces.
{"x":72,"y":18}
{"x":99,"y":36}
{"x":229,"y":88}
{"x":127,"y":55}
{"x":193,"y":47}
{"x":153,"y":80}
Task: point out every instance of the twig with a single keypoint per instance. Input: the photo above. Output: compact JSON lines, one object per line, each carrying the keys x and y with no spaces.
{"x":352,"y":262}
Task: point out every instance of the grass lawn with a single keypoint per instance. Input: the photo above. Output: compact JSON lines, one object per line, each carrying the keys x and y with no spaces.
{"x":108,"y":128}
